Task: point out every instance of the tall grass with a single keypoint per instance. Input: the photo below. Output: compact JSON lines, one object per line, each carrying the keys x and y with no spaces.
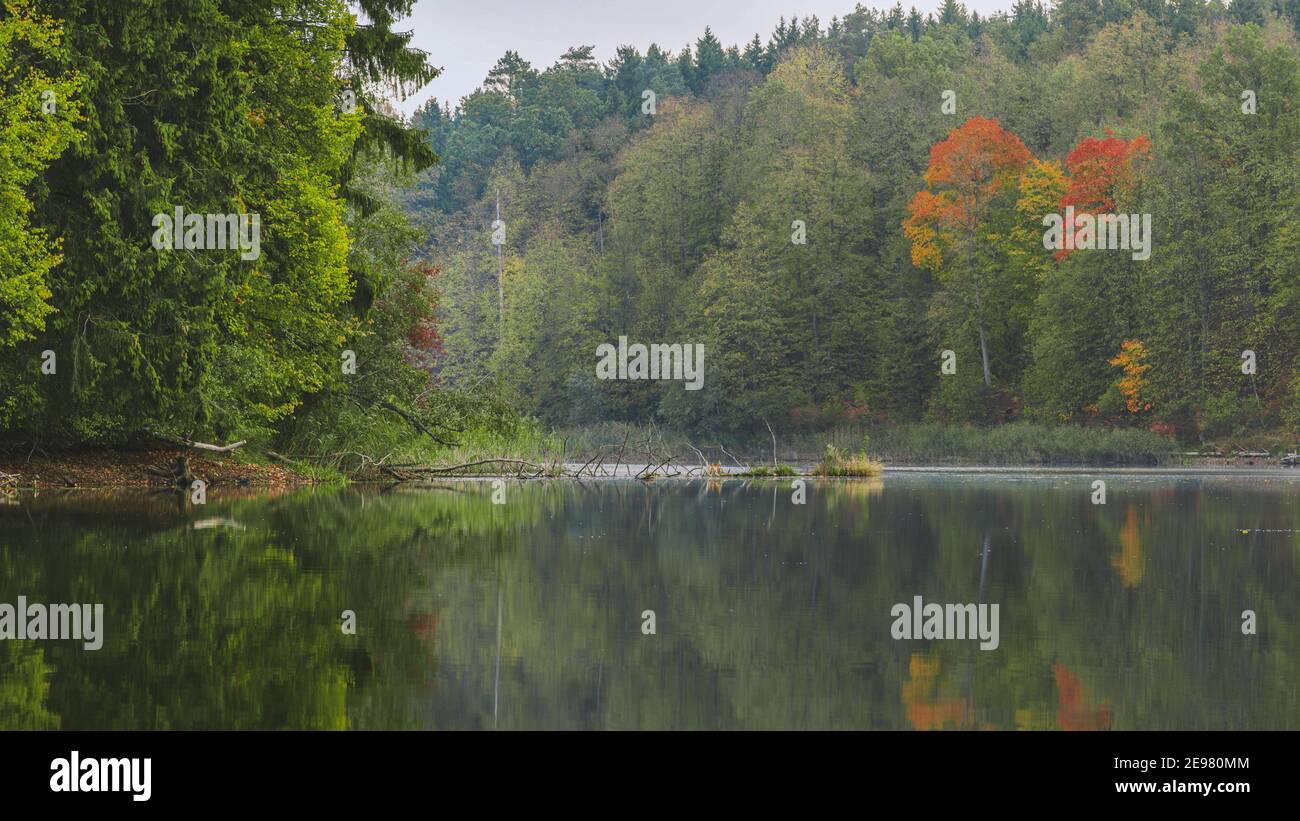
{"x":529,"y":441}
{"x":1017,"y":443}
{"x":835,"y":463}
{"x":1020,"y":443}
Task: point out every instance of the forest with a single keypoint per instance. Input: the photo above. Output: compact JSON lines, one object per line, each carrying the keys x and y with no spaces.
{"x":269,"y":114}
{"x":848,"y":218}
{"x":1066,"y":233}
{"x":830,"y":211}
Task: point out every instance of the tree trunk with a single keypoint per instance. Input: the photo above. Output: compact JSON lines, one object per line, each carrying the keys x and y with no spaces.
{"x":984,"y":354}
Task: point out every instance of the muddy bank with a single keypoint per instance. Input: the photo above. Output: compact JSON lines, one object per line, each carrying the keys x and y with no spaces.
{"x":101,"y":469}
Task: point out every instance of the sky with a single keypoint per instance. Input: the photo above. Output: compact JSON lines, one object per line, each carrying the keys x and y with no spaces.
{"x":467,"y":38}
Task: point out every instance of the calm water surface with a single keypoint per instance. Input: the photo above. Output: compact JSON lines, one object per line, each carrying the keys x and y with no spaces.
{"x":768,"y":614}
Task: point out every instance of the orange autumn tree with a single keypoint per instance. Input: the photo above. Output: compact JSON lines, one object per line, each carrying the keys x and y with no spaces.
{"x":1131,"y":385}
{"x":1099,"y":170}
{"x":968,"y":175}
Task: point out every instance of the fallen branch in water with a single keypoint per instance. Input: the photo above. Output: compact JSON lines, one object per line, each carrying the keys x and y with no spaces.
{"x":395,"y":474}
{"x":584,"y":467}
{"x":733,"y":458}
{"x":450,"y":468}
{"x":653,"y":472}
{"x":620,"y":452}
{"x":703,"y":461}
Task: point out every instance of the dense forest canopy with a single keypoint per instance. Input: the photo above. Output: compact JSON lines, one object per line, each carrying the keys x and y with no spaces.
{"x":113,"y":117}
{"x":918,"y":155}
{"x":849,"y":218}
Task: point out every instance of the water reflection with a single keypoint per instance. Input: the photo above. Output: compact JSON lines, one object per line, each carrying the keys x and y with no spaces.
{"x":769,"y":614}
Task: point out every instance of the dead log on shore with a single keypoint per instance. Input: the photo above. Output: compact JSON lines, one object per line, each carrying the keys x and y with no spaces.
{"x":192,"y":445}
{"x":216,"y":448}
{"x":178,"y":474}
{"x":396,"y":474}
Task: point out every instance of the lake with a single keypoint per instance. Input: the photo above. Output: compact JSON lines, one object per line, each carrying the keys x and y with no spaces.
{"x":766,"y":613}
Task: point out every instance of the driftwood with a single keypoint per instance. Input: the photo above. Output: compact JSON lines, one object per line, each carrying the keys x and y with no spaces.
{"x":654,"y":472}
{"x":191,"y":444}
{"x":178,"y":474}
{"x":704,"y":467}
{"x":620,"y":452}
{"x":703,"y":461}
{"x":216,"y":448}
{"x":657,"y":463}
{"x":733,"y":458}
{"x":450,"y":468}
{"x":588,"y":462}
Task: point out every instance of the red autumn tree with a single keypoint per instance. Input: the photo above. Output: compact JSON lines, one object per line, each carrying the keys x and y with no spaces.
{"x":424,"y":342}
{"x":967,"y":171}
{"x":1099,"y":170}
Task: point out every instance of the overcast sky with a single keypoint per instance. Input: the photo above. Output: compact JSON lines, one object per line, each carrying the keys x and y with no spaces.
{"x":467,"y":38}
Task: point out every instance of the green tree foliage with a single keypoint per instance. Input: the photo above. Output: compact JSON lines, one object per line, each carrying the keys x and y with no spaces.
{"x":1227,"y":183}
{"x":657,"y":197}
{"x":213,"y":108}
{"x":243,"y":122}
{"x":798,"y":242}
{"x":38,"y":113}
{"x":681,"y":220}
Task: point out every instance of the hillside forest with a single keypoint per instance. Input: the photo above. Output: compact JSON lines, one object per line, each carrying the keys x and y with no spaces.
{"x":847,"y":215}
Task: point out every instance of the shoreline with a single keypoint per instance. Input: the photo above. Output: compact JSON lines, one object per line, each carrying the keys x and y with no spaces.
{"x":107,"y":469}
{"x":1262,"y":471}
{"x":130,"y":469}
